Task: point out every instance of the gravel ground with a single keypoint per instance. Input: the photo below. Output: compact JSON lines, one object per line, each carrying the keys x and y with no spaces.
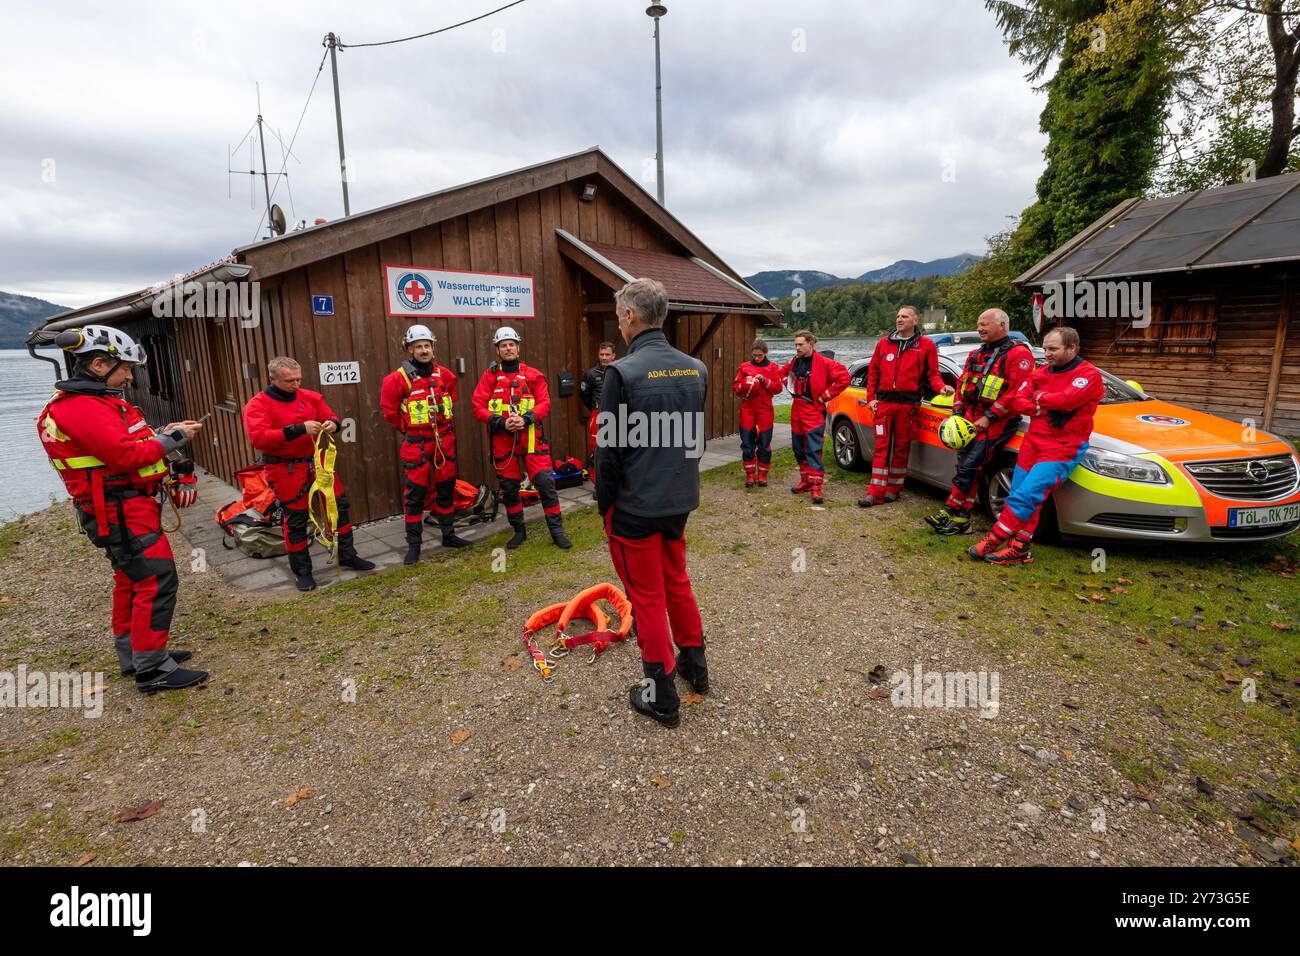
{"x":454,"y":752}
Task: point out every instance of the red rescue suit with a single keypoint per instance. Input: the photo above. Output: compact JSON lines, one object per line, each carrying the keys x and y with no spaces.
{"x":900,"y":368}
{"x":113,"y":465}
{"x":1061,"y":403}
{"x":274,"y":421}
{"x":813,"y":383}
{"x":990,"y":377}
{"x":419,"y":402}
{"x":756,"y":383}
{"x":518,"y":388}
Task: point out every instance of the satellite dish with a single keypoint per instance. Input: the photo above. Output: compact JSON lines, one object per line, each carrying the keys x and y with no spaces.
{"x":278,"y":223}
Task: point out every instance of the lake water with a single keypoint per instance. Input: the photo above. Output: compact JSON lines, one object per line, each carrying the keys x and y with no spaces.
{"x":27,"y":482}
{"x":847,"y":351}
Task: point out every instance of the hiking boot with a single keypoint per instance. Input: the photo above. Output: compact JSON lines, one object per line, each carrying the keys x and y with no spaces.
{"x":749,"y":483}
{"x":762,"y":482}
{"x":939,"y":520}
{"x":520,"y":535}
{"x":960,"y":524}
{"x":306,"y":582}
{"x":868,"y":501}
{"x":985,"y":546}
{"x":180,"y":657}
{"x":656,"y":696}
{"x":555,"y":524}
{"x":890,"y":497}
{"x":693,"y":668}
{"x":1015,"y":551}
{"x":153,"y":681}
{"x":412,"y":555}
{"x":817,"y":499}
{"x":357,"y":563}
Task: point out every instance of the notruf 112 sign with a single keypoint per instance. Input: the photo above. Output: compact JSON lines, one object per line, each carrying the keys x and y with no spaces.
{"x":440,"y":293}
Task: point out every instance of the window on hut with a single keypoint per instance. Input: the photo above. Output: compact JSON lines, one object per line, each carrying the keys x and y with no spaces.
{"x":224,"y":377}
{"x":1180,"y":325}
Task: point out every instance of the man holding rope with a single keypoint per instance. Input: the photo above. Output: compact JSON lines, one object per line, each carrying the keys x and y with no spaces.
{"x":282,"y":423}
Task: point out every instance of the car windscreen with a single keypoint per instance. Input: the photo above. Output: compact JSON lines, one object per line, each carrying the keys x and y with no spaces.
{"x":1118,"y":392}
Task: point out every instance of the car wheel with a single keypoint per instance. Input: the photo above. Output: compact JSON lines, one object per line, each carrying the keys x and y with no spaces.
{"x":847,"y":453}
{"x":997,"y":486}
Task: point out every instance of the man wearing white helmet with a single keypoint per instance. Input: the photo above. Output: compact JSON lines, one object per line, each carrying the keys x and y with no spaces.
{"x":418,"y":400}
{"x":512,"y":399}
{"x":114,"y":466}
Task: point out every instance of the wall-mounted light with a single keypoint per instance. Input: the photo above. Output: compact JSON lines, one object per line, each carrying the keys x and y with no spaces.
{"x":589,"y":192}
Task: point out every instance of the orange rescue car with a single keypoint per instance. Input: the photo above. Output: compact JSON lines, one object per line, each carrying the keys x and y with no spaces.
{"x":1153,"y":471}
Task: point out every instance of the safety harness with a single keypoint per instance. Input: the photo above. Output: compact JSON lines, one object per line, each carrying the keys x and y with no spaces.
{"x":423,"y":412}
{"x":105,"y":487}
{"x":581,"y":605}
{"x":322,"y":506}
{"x":516,"y":404}
{"x":984,"y":387}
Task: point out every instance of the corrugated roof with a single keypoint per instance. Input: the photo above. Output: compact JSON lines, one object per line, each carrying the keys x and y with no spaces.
{"x":1238,"y":225}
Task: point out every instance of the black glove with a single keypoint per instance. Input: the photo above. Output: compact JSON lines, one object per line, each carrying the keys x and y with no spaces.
{"x":529,"y":418}
{"x":182,"y":467}
{"x":1059,"y":419}
{"x":497,"y":423}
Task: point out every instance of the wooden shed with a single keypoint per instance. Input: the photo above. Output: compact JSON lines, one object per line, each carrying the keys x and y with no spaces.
{"x":1224,"y":320}
{"x":573,"y":229}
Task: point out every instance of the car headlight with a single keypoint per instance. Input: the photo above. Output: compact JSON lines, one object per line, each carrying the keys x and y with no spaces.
{"x":1124,"y":467}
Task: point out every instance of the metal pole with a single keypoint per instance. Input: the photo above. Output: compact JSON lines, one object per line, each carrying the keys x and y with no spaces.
{"x":266,"y":188}
{"x":659,"y":120}
{"x":332,"y":41}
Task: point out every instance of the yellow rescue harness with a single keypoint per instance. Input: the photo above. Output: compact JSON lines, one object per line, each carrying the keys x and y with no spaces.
{"x":322,"y":506}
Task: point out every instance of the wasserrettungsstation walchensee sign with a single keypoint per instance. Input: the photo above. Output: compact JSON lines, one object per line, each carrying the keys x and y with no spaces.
{"x":435,"y":293}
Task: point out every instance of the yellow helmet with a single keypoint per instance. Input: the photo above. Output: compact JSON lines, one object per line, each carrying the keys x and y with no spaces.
{"x":956,"y":432}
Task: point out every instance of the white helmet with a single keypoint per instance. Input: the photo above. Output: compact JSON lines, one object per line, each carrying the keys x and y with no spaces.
{"x":418,"y":333}
{"x":505,"y":334}
{"x":101,"y":338}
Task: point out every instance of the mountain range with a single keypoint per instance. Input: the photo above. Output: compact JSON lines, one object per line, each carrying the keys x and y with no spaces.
{"x":19,"y":314}
{"x":776,"y":284}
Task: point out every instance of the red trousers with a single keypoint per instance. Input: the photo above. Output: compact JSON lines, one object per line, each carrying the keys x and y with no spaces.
{"x":894,"y":424}
{"x":144,"y":582}
{"x":653,"y":572}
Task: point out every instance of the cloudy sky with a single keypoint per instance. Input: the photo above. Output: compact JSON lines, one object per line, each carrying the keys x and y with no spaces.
{"x":824,"y":135}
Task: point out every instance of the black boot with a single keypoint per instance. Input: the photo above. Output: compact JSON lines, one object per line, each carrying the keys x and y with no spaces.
{"x":692,"y":666}
{"x":153,"y":681}
{"x":414,"y":539}
{"x":517,"y":522}
{"x":656,"y":696}
{"x":300,"y":565}
{"x":180,"y":657}
{"x":348,"y":557}
{"x":556,"y":525}
{"x":450,"y":539}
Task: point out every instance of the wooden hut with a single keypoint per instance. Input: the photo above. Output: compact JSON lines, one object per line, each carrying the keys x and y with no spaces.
{"x":569,"y":231}
{"x":1224,"y":319}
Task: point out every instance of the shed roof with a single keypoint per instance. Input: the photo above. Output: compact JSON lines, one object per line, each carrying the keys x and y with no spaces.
{"x":1239,"y":225}
{"x":692,"y":284}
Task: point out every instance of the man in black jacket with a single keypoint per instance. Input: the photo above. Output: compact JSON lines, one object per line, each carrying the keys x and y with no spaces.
{"x":589,"y":390}
{"x":650,"y":436}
